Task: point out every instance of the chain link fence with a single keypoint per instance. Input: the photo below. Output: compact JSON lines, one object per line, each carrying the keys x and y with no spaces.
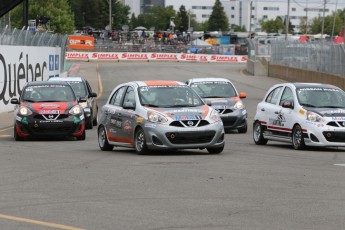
{"x":27,"y":37}
{"x":326,"y":57}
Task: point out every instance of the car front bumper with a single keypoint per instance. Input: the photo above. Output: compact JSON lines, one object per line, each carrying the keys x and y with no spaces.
{"x":160,"y":136}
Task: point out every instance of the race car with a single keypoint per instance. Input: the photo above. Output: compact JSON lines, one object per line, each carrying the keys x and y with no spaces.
{"x":48,"y":109}
{"x":221,"y":94}
{"x":304,"y":114}
{"x":82,"y":89}
{"x":159,"y":115}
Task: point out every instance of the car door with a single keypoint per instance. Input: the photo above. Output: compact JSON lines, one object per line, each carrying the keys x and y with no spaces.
{"x":92,"y":100}
{"x":286,"y":114}
{"x":128,"y":115}
{"x":270,"y":112}
{"x":114,"y":123}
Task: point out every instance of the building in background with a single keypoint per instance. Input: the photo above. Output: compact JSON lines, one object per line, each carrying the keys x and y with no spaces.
{"x":246,"y":13}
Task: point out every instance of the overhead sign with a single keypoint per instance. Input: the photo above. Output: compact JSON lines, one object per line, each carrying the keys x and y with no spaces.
{"x":81,"y":42}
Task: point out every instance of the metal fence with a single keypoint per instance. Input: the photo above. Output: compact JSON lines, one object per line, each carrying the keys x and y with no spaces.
{"x":25,"y":37}
{"x":319,"y":56}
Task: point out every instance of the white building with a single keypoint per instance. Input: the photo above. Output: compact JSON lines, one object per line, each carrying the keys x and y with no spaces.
{"x":239,"y":11}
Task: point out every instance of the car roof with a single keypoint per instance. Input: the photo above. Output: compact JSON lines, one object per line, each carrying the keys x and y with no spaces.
{"x":80,"y":79}
{"x":31,"y":83}
{"x":158,"y":83}
{"x":312,"y":85}
{"x":203,"y":79}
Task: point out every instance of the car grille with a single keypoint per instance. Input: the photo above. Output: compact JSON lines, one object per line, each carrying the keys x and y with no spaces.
{"x":224,"y":111}
{"x":334,"y":136}
{"x":229,"y":121}
{"x":336,"y":123}
{"x":54,"y":129}
{"x":189,"y":123}
{"x":190,"y":137}
{"x":52,"y":116}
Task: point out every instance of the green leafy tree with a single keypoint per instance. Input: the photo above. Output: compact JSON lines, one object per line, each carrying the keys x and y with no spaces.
{"x":272,"y":25}
{"x":159,"y":18}
{"x":184,"y":18}
{"x":58,"y":11}
{"x":316,"y":26}
{"x":218,"y":20}
{"x":120,"y":13}
{"x":237,"y":28}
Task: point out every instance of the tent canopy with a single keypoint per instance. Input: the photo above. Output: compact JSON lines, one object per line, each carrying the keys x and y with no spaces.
{"x":199,"y":42}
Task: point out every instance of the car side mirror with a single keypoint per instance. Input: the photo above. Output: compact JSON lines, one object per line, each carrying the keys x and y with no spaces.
{"x":82,"y":99}
{"x":15,"y":101}
{"x":128,"y":105}
{"x":243,"y":95}
{"x":287,"y":104}
{"x":93,"y":94}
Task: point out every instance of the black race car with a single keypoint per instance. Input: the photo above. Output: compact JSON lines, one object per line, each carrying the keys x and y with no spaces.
{"x":48,"y":109}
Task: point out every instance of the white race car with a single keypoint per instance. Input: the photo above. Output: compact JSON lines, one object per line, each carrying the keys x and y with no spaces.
{"x":304,"y":114}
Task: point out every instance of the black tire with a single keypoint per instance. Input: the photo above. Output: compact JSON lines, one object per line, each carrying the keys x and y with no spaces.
{"x":244,"y":129}
{"x":215,"y":150}
{"x":297,"y":138}
{"x":16,"y":135}
{"x":89,"y":123}
{"x":140,"y":142}
{"x":103,"y":140}
{"x":258,"y":134}
{"x":82,"y":137}
{"x":95,"y":120}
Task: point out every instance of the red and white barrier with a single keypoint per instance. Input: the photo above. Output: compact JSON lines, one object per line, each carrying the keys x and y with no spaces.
{"x":181,"y":57}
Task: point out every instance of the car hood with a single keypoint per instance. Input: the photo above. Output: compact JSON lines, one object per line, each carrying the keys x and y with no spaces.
{"x":329,"y":112}
{"x":49,"y":107}
{"x":223,"y":101}
{"x":185,"y":113}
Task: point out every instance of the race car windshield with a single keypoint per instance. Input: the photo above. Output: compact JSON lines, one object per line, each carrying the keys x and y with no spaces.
{"x":78,"y":88}
{"x":321,"y":97}
{"x":168,"y":96}
{"x":214,"y":89}
{"x":48,"y":93}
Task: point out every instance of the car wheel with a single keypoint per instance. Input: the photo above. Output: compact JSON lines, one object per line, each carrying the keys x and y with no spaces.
{"x":140,"y":142}
{"x":215,"y":150}
{"x":258,"y":134}
{"x":88,"y":123}
{"x":82,"y":137}
{"x":95,"y":120}
{"x":103,"y":140}
{"x":16,"y":135}
{"x":243,"y":129}
{"x":297,"y":138}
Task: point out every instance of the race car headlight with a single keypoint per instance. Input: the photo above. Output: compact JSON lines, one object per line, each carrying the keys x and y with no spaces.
{"x":83,"y":104}
{"x":23,"y":110}
{"x":156,"y":117}
{"x":75,"y":110}
{"x":239,"y":105}
{"x":311,"y":116}
{"x":214,"y":116}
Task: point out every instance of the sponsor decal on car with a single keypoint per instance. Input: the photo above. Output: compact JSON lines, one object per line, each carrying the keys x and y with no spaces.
{"x":183,"y":118}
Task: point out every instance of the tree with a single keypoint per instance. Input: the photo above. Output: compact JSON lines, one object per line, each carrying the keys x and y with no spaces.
{"x":120,"y":13}
{"x":237,"y":28}
{"x":272,"y":25}
{"x":58,"y":11}
{"x":183,"y":16}
{"x":218,"y":20}
{"x":316,"y":25}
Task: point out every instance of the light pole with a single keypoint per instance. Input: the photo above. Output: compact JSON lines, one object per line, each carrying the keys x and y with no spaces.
{"x":287,"y":20}
{"x":250,"y":20}
{"x":323,"y":18}
{"x":110,"y":14}
{"x":335,"y":14}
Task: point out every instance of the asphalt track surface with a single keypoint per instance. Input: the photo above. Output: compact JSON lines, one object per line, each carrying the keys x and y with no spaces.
{"x":68,"y":184}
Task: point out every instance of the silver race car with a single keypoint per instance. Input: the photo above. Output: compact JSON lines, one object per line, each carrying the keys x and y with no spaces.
{"x":222,"y":95}
{"x":159,"y":115}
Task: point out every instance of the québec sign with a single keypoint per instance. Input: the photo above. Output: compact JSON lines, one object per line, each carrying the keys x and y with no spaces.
{"x":19,"y":64}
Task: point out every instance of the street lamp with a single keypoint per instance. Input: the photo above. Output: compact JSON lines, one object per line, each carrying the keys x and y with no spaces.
{"x":110,"y":16}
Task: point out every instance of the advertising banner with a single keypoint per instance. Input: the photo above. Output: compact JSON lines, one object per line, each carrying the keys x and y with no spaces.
{"x":21,"y":64}
{"x":178,"y":57}
{"x":81,"y":42}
